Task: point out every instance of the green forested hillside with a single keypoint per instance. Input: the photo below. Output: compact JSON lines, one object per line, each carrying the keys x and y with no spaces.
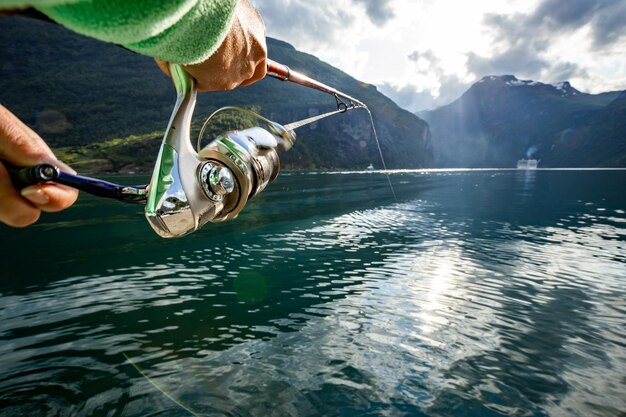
{"x":604,"y":141}
{"x":87,"y":99}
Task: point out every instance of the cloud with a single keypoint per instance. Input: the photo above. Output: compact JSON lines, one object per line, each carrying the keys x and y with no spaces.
{"x":409,"y":50}
{"x":414,"y":99}
{"x":379,"y":11}
{"x":521,"y":60}
{"x":428,"y":56}
{"x":519,"y":43}
{"x":605,"y":17}
{"x":610,"y":26}
{"x":303,"y":22}
{"x":407,"y":97}
{"x":552,"y":18}
{"x":523,"y":43}
{"x":564,"y":14}
{"x":563,"y":71}
{"x":431,"y":86}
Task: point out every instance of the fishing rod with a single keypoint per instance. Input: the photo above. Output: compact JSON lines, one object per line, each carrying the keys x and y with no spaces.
{"x":191,"y":187}
{"x":284,"y":73}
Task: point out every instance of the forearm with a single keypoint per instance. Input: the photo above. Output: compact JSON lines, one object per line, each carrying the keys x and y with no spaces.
{"x":180,"y":31}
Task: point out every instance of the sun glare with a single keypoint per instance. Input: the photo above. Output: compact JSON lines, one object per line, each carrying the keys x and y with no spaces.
{"x":445,"y":30}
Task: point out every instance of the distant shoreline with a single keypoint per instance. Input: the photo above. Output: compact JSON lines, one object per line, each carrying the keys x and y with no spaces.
{"x":391,"y":171}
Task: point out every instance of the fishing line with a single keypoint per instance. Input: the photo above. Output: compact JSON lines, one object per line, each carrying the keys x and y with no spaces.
{"x":300,"y":123}
{"x":158,"y":387}
{"x":284,"y":73}
{"x":343,"y":109}
{"x":380,"y":151}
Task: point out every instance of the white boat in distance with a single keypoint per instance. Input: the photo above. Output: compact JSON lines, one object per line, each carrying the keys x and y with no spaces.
{"x":527,"y":164}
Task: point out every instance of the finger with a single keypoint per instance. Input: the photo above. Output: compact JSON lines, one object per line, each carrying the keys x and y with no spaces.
{"x":14,"y":210}
{"x":223,"y":83}
{"x":259,"y":73}
{"x":50,"y":197}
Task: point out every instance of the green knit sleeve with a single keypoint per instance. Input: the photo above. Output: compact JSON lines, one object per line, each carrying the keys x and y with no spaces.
{"x":180,"y":31}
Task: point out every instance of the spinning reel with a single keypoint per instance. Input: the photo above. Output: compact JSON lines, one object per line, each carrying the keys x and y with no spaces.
{"x":191,"y":187}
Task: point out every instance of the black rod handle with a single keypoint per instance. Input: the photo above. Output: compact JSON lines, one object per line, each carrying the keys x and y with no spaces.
{"x":23,"y":177}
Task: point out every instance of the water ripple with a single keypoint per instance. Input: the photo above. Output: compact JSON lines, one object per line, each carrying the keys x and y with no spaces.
{"x":452,"y":299}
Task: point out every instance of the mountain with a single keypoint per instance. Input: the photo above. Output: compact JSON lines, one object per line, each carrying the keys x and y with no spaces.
{"x":104,"y":109}
{"x":605,"y":141}
{"x":501,"y":119}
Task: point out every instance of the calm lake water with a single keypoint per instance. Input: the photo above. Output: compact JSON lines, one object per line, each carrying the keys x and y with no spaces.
{"x":478,"y":293}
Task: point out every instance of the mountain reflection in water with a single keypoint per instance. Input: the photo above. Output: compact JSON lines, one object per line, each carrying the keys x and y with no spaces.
{"x":478,"y":293}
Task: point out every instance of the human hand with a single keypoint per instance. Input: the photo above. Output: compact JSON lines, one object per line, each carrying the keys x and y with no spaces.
{"x":20,"y":146}
{"x":241,"y":58}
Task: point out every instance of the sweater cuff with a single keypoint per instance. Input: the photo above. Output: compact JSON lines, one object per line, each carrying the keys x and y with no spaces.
{"x":195,"y":37}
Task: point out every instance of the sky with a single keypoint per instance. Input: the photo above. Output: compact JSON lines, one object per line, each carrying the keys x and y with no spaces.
{"x":426,"y":53}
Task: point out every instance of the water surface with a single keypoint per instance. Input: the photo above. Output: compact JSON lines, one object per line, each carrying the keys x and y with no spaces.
{"x":477,"y":293}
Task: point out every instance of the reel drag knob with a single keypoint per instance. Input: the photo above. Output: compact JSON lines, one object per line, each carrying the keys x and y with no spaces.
{"x":216,"y":180}
{"x":221,"y":180}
